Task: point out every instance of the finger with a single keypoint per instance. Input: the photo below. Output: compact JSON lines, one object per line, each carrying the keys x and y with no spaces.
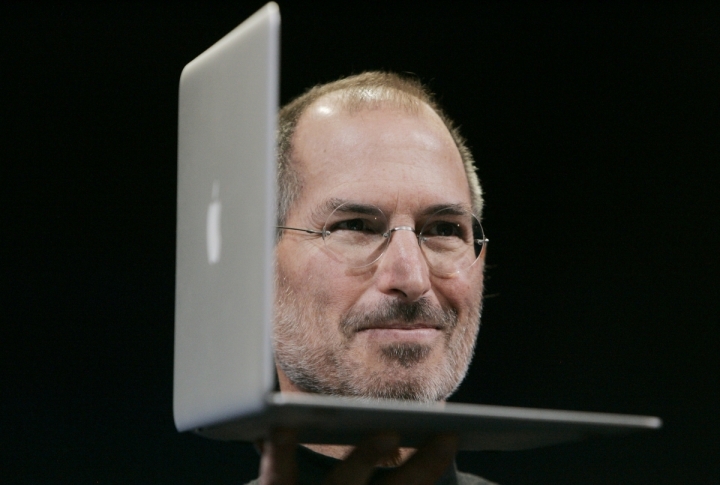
{"x":357,"y":468}
{"x":277,"y":464}
{"x":428,"y":464}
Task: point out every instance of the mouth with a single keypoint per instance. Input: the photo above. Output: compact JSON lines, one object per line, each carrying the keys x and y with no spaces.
{"x":395,"y":322}
{"x":400,"y":326}
{"x":419,"y":333}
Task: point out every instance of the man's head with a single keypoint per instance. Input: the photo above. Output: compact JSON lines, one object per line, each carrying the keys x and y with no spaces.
{"x":395,"y":327}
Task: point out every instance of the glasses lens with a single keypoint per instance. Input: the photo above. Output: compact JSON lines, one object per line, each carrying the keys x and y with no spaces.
{"x":451,"y":241}
{"x":354,"y":233}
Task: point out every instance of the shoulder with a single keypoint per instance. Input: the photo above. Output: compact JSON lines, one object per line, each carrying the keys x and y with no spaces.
{"x":468,"y":479}
{"x":257,"y":482}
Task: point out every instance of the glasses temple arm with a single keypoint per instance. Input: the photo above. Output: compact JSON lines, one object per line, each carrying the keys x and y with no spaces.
{"x":309,"y":231}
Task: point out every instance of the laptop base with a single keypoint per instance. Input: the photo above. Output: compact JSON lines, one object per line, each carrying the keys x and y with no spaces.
{"x":330,"y":420}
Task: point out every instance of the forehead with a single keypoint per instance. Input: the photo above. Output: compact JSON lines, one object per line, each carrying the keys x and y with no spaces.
{"x":385,"y":154}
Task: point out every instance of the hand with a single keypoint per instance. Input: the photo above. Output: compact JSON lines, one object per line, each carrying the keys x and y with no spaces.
{"x":426,"y":466}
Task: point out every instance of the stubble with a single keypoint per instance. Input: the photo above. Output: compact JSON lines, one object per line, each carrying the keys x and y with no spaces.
{"x":314,"y":353}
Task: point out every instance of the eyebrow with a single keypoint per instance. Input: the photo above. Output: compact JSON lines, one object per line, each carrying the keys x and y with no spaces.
{"x":451,"y":209}
{"x":327,"y":207}
{"x":334,"y":203}
{"x":356,"y":208}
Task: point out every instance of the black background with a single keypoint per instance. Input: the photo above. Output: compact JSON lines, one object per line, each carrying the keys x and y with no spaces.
{"x":596,"y":129}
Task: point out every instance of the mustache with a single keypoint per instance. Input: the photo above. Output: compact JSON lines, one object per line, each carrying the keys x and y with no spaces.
{"x":420,"y":311}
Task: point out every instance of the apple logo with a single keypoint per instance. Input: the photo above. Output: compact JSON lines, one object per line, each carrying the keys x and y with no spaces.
{"x":214,"y":238}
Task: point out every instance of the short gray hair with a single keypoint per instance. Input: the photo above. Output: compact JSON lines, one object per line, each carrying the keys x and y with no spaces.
{"x":366,"y":90}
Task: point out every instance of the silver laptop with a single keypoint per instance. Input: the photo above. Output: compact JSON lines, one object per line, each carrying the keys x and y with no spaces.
{"x":224,"y":368}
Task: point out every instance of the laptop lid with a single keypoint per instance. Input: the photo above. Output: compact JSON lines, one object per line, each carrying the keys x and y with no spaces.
{"x":228,"y":101}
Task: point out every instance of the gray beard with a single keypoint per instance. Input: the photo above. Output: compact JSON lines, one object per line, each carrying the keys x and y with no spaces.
{"x":407,"y":355}
{"x":323,"y":369}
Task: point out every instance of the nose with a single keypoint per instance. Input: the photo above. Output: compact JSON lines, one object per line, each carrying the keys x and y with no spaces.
{"x":402,"y":271}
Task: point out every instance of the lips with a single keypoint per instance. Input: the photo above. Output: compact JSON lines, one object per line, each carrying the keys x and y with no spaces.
{"x":398,"y":326}
{"x":406,"y":334}
{"x":400,"y":317}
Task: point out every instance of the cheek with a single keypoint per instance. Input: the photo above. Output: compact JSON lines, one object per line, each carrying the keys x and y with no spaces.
{"x":464,"y":293}
{"x":317,"y":279}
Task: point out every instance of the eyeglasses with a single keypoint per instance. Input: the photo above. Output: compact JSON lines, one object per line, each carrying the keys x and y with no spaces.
{"x":451,"y":239}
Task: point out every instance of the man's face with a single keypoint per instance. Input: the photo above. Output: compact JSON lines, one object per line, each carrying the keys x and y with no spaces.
{"x":392,"y":329}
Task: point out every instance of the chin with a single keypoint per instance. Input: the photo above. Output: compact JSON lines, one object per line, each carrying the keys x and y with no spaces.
{"x":407,"y":373}
{"x":417,"y":387}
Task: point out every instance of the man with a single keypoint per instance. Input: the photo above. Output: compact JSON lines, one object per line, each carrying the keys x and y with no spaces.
{"x":379,"y":272}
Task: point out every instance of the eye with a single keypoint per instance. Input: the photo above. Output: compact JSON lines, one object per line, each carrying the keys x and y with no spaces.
{"x":355,"y":225}
{"x":443,"y":229}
